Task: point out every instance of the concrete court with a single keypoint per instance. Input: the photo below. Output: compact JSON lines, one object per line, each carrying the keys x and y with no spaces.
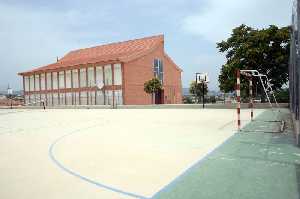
{"x":104,"y":153}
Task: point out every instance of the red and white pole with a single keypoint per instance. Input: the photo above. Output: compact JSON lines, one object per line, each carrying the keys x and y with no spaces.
{"x":238,"y":98}
{"x":251,"y":96}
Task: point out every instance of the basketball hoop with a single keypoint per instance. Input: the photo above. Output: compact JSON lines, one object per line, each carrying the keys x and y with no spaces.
{"x":202,"y":78}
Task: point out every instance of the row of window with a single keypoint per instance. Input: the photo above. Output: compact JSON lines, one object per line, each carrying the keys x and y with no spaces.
{"x":87,"y":77}
{"x":75,"y":98}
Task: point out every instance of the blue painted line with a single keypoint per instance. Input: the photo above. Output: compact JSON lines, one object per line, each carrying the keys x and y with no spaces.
{"x":188,"y":170}
{"x":64,"y":168}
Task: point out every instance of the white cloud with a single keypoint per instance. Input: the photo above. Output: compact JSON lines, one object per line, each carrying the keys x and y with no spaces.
{"x":221,"y":16}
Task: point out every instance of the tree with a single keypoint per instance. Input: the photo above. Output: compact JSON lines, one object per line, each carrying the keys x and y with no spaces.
{"x":187,"y":100}
{"x":212,"y":99}
{"x":152,"y":86}
{"x":265,"y":50}
{"x":282,"y":95}
{"x":197,"y":90}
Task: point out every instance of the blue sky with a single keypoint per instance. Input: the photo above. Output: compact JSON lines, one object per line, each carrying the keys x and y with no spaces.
{"x":34,"y":33}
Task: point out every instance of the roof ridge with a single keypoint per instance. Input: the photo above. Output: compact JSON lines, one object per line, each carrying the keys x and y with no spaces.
{"x":116,"y":43}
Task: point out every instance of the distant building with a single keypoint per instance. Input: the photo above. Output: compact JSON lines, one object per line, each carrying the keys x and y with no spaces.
{"x":106,"y":74}
{"x":9,"y":90}
{"x":2,"y":97}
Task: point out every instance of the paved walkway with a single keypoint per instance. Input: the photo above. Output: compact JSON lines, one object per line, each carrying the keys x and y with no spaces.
{"x":249,"y":165}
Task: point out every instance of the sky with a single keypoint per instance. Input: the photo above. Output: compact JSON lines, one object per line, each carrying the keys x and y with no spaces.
{"x":34,"y":32}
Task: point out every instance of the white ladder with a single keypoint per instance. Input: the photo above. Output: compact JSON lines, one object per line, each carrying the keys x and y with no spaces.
{"x":266,"y":83}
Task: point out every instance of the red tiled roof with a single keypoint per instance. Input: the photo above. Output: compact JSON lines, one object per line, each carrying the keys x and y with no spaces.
{"x":122,"y":51}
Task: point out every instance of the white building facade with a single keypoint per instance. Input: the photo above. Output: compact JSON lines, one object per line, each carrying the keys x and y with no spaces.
{"x":85,"y":85}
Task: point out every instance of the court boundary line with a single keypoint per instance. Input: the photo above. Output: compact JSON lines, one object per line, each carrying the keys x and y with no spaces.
{"x":84,"y":178}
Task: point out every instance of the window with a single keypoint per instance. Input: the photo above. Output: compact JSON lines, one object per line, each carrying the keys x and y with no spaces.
{"x":118,"y":97}
{"x":37,"y":82}
{"x":83,"y":98}
{"x":27,"y":99}
{"x":92,"y":97}
{"x":83,"y":77}
{"x":33,"y":99}
{"x":61,"y":79}
{"x":49,"y":99}
{"x":26,"y":84}
{"x":43,"y":97}
{"x":68,"y":79}
{"x":49,"y":87}
{"x":76,"y":98}
{"x":99,"y":75}
{"x":99,"y":98}
{"x":117,"y":74}
{"x":108,"y":75}
{"x":91,"y":77}
{"x":158,"y":69}
{"x":43,"y":81}
{"x":31,"y":81}
{"x":62,"y":99}
{"x":54,"y":82}
{"x":108,"y":97}
{"x":69,"y":98}
{"x":75,"y":78}
{"x":55,"y":99}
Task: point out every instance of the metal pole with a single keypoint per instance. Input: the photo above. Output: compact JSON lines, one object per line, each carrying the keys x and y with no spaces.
{"x":251,"y":97}
{"x":203,"y":94}
{"x":238,"y":97}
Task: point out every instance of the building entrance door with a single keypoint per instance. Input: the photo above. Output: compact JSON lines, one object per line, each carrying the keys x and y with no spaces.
{"x":159,"y":97}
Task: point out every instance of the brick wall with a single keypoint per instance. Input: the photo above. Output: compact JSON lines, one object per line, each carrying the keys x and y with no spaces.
{"x":138,"y":71}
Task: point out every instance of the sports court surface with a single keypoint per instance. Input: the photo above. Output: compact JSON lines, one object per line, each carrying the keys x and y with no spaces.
{"x":143,"y":153}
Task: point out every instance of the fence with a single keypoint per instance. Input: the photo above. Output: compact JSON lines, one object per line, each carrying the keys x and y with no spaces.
{"x":294,"y":66}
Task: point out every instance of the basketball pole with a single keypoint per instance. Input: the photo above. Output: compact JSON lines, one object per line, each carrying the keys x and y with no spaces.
{"x":202,"y":78}
{"x":203,"y":93}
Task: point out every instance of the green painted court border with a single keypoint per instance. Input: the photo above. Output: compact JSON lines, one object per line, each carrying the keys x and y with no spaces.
{"x":248,"y":165}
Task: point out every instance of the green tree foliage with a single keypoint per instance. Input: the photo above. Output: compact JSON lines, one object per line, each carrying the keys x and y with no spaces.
{"x":282,"y":95}
{"x":187,"y":100}
{"x":197,"y":90}
{"x":265,"y":50}
{"x":212,"y":99}
{"x":152,"y":86}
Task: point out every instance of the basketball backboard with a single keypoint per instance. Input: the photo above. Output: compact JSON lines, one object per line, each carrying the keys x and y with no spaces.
{"x":202,"y":78}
